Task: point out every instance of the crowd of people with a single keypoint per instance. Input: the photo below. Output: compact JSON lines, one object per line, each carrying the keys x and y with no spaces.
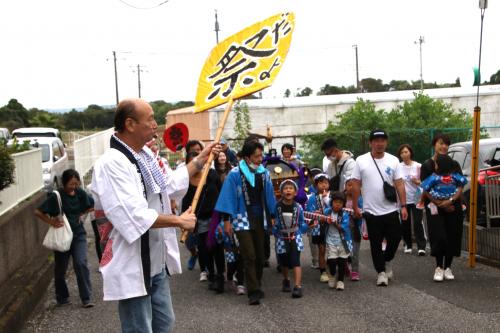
{"x":376,"y":196}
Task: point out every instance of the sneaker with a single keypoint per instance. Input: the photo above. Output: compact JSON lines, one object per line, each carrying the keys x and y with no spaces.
{"x":63,"y":303}
{"x":340,"y":285}
{"x":438,"y":274}
{"x":285,"y":286}
{"x":254,"y":299}
{"x":314,"y":266}
{"x":448,"y":275}
{"x":408,"y":250}
{"x":192,"y":262}
{"x":354,"y":276}
{"x":88,"y":304}
{"x":332,"y":283}
{"x":203,"y":276}
{"x":388,"y":270}
{"x":240,"y":290}
{"x":421,"y":253}
{"x":324,"y":277}
{"x":297,"y":292}
{"x":382,"y":280}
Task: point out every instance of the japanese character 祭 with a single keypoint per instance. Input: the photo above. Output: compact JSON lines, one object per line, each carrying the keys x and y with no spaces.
{"x":251,"y":61}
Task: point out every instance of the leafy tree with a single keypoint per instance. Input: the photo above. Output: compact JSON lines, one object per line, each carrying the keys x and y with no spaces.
{"x":6,"y":168}
{"x":14,"y":115}
{"x":413,"y":122}
{"x":304,"y":92}
{"x":334,"y":90}
{"x":42,"y":118}
{"x":372,"y":85}
{"x":495,"y":78}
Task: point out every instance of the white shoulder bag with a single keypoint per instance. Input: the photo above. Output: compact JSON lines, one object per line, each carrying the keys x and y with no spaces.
{"x":59,"y":239}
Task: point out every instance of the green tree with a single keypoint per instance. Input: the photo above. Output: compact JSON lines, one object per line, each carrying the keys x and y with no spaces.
{"x":14,"y":115}
{"x":304,"y":92}
{"x":372,"y":85}
{"x":495,"y":78}
{"x":413,"y":122}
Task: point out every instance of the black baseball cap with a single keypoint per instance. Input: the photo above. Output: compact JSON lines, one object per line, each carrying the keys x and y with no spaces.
{"x":378,"y":133}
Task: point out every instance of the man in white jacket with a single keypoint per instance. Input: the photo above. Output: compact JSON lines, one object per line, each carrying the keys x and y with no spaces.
{"x":134,"y":195}
{"x":339,"y":166}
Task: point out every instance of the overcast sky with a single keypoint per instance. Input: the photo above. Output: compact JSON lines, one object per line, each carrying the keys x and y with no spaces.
{"x":58,"y":53}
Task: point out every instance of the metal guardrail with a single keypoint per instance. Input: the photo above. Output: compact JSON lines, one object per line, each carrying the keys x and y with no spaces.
{"x":492,"y":195}
{"x":28,"y":179}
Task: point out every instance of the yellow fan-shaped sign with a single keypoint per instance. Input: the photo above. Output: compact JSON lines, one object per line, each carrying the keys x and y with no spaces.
{"x":245,"y":62}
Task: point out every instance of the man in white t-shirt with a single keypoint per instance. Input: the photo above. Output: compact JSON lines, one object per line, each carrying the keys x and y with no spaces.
{"x":381,"y":215}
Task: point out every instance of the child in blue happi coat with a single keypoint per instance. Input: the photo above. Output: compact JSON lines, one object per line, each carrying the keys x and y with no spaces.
{"x":356,"y":231}
{"x":317,"y":203}
{"x":338,"y":239}
{"x":444,"y":183}
{"x":288,"y":229}
{"x":234,"y":261}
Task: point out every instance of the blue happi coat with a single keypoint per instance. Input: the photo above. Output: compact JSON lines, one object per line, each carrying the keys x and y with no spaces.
{"x":229,"y":243}
{"x":302,"y":227}
{"x":344,"y":225}
{"x":231,"y":199}
{"x":312,"y":206}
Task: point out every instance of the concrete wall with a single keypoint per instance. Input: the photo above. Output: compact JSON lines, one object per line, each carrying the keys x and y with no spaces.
{"x":25,"y":267}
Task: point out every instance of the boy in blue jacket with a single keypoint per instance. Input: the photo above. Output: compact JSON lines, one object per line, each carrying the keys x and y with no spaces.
{"x":288,"y":230}
{"x":338,"y":240}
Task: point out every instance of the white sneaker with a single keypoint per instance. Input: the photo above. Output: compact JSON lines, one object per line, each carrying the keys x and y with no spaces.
{"x":203,"y":276}
{"x":382,"y":280}
{"x":240,"y":290}
{"x":340,"y":285}
{"x":421,"y":253}
{"x":332,"y":283}
{"x":407,"y":250}
{"x":388,"y":270}
{"x":324,"y":277}
{"x":448,"y":275}
{"x":438,"y":274}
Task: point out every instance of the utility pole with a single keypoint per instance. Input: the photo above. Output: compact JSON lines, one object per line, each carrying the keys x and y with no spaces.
{"x":116,"y":79}
{"x":420,"y":41}
{"x":139,"y":79}
{"x":139,"y":70}
{"x":355,"y":46}
{"x":216,"y":28}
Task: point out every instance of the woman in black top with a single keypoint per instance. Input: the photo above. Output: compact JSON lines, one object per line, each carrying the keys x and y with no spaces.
{"x":204,"y":211}
{"x":222,"y":166}
{"x":445,"y":223}
{"x":75,"y":203}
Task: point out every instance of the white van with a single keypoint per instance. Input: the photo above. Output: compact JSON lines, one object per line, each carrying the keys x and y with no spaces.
{"x":36,"y":132}
{"x":54,"y":159}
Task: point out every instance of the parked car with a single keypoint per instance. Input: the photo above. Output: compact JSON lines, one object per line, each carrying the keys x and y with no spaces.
{"x":36,"y":132}
{"x":489,"y":155}
{"x":4,"y":134}
{"x":54,"y":159}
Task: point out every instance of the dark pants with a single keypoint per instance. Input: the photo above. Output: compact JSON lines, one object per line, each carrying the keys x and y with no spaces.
{"x":415,"y":217}
{"x":208,"y":256}
{"x":340,"y":263}
{"x":382,"y":227}
{"x":445,"y":231}
{"x":235,"y":268}
{"x":78,"y":251}
{"x":252,"y":252}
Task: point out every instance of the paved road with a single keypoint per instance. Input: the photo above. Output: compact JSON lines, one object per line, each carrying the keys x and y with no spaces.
{"x":411,"y":303}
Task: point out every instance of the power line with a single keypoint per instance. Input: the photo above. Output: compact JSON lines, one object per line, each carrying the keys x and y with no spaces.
{"x":151,"y":7}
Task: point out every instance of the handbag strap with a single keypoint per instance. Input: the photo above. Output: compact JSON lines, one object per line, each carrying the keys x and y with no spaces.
{"x":59,"y":201}
{"x":383,"y":180}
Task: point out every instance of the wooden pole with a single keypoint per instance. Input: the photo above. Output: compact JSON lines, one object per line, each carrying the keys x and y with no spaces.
{"x":206,"y":168}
